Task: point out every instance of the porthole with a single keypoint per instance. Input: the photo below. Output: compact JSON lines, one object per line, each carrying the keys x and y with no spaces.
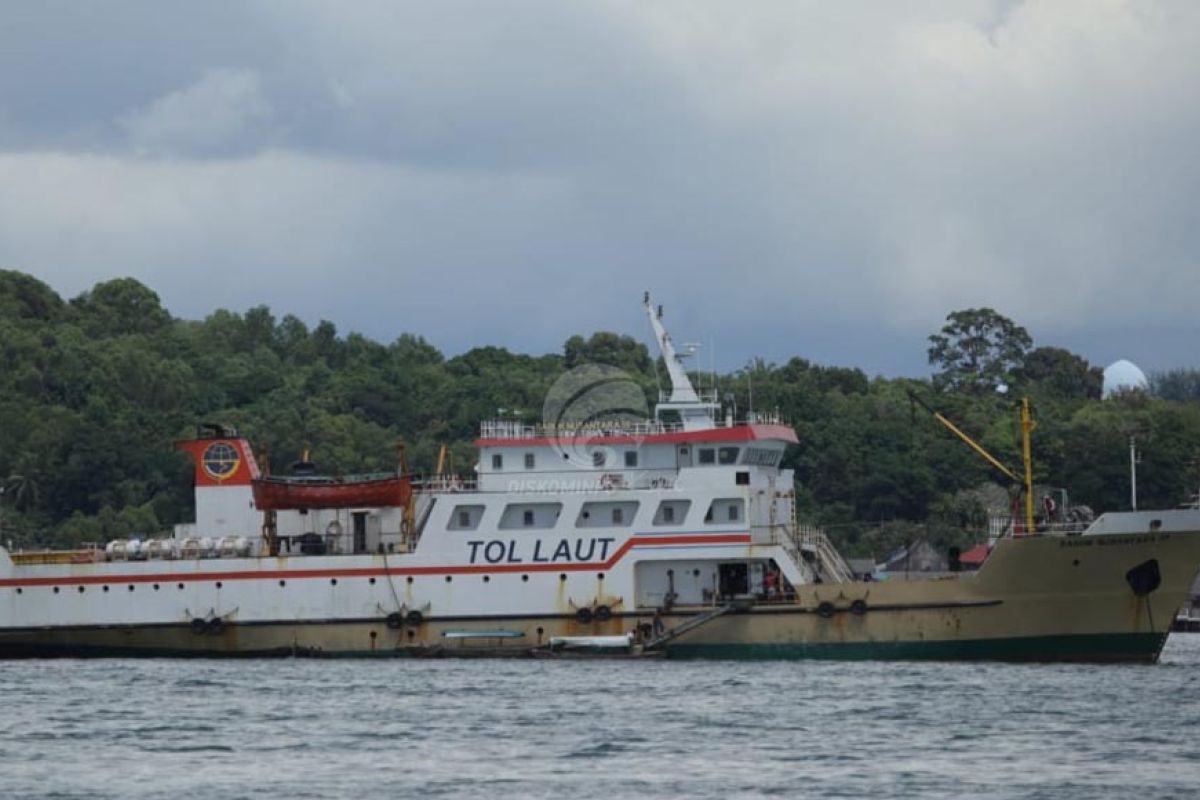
{"x":599,"y":576}
{"x":371,"y":581}
{"x":56,"y":590}
{"x":562,"y":576}
{"x":156,"y":587}
{"x":105,"y":588}
{"x":21,"y":591}
{"x":410,"y":579}
{"x":449,"y":578}
{"x":283,"y":583}
{"x":81,"y":590}
{"x":131,"y":587}
{"x":333,"y":581}
{"x":218,"y":585}
{"x":181,"y":587}
{"x":487,"y":578}
{"x":525,"y":578}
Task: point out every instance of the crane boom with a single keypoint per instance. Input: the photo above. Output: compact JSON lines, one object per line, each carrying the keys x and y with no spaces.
{"x":1027,"y":426}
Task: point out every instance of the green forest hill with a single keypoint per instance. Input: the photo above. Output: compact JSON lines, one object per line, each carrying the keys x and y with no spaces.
{"x":93,"y":391}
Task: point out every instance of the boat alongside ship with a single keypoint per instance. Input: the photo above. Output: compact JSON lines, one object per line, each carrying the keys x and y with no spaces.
{"x":673,"y":536}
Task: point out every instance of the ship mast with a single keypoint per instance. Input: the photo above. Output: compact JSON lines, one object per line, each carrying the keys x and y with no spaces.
{"x":695,"y":411}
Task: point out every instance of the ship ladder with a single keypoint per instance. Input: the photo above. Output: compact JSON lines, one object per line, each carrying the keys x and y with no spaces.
{"x":689,"y":624}
{"x":832,"y":564}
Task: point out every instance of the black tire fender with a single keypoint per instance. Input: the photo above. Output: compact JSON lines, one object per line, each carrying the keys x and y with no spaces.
{"x":825,"y":609}
{"x":394,"y":620}
{"x":583,"y":615}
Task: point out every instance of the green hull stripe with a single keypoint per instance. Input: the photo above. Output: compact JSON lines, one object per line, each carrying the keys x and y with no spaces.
{"x":1127,"y":647}
{"x":1094,"y":647}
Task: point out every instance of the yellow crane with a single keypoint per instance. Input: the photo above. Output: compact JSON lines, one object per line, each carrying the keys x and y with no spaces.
{"x":1027,"y":426}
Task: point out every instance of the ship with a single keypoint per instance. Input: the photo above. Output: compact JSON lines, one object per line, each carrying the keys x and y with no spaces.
{"x":673,"y":534}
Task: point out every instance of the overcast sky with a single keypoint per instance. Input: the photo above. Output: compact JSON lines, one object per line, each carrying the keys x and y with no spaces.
{"x":824,"y":179}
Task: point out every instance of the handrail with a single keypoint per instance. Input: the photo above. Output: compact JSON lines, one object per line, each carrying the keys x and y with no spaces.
{"x":512,"y":429}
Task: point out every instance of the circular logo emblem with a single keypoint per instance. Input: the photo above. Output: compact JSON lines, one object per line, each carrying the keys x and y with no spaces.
{"x":220,"y":460}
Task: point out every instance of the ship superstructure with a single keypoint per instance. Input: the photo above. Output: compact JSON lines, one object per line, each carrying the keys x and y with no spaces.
{"x":674,"y":533}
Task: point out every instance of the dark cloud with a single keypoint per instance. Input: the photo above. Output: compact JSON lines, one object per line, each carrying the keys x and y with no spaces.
{"x":827,"y":181}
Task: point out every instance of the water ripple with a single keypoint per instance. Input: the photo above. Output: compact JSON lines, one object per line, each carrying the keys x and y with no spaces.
{"x":269,"y":730}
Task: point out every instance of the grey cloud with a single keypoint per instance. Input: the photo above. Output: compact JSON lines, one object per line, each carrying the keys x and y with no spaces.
{"x":814,"y":179}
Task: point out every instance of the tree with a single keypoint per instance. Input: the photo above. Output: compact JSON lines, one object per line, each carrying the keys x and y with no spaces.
{"x":121,"y":306}
{"x":1180,"y":385}
{"x":1061,"y":373}
{"x":614,"y":350}
{"x":977,"y":351}
{"x":25,"y":297}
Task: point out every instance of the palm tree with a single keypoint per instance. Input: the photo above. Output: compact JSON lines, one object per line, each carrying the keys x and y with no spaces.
{"x":23,"y":489}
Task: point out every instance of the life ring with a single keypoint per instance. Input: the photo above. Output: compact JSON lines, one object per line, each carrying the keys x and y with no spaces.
{"x":199,"y":625}
{"x":394,"y":620}
{"x":583,"y":615}
{"x":414,"y":618}
{"x":858,"y":607}
{"x":602,"y":614}
{"x":825,"y":609}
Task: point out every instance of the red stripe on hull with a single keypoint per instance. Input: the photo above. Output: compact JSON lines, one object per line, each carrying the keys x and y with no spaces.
{"x":368,"y":572}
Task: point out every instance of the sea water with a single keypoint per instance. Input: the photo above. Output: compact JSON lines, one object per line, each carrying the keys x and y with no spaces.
{"x":582,"y":729}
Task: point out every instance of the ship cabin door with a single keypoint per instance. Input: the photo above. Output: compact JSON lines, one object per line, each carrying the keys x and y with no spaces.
{"x":733,"y":580}
{"x":359,"y":527}
{"x":684,"y":454}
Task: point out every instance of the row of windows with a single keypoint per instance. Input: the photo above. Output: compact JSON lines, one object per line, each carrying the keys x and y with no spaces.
{"x":705,"y":456}
{"x":599,"y":459}
{"x":718,"y":455}
{"x":593,"y":514}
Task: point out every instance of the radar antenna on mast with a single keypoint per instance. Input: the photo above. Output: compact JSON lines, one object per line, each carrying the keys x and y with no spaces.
{"x":694,"y":411}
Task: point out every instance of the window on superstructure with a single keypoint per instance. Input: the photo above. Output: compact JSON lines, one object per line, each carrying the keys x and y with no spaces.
{"x":727,"y":455}
{"x":631,"y":458}
{"x":724,"y":510}
{"x":707,"y":455}
{"x":671,"y":512}
{"x":761,"y":456}
{"x":598,"y":458}
{"x":524,"y":516}
{"x":497,"y":461}
{"x":529,"y":461}
{"x":601,"y":514}
{"x":465,"y":518}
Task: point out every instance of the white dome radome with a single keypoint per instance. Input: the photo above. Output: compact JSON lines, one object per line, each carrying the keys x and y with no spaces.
{"x":1121,"y":376}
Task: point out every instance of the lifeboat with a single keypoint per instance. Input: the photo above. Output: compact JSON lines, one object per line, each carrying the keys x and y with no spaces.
{"x":275,"y":493}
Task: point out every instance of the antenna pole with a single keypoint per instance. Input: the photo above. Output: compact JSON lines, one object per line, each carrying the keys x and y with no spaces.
{"x":1133,"y":472}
